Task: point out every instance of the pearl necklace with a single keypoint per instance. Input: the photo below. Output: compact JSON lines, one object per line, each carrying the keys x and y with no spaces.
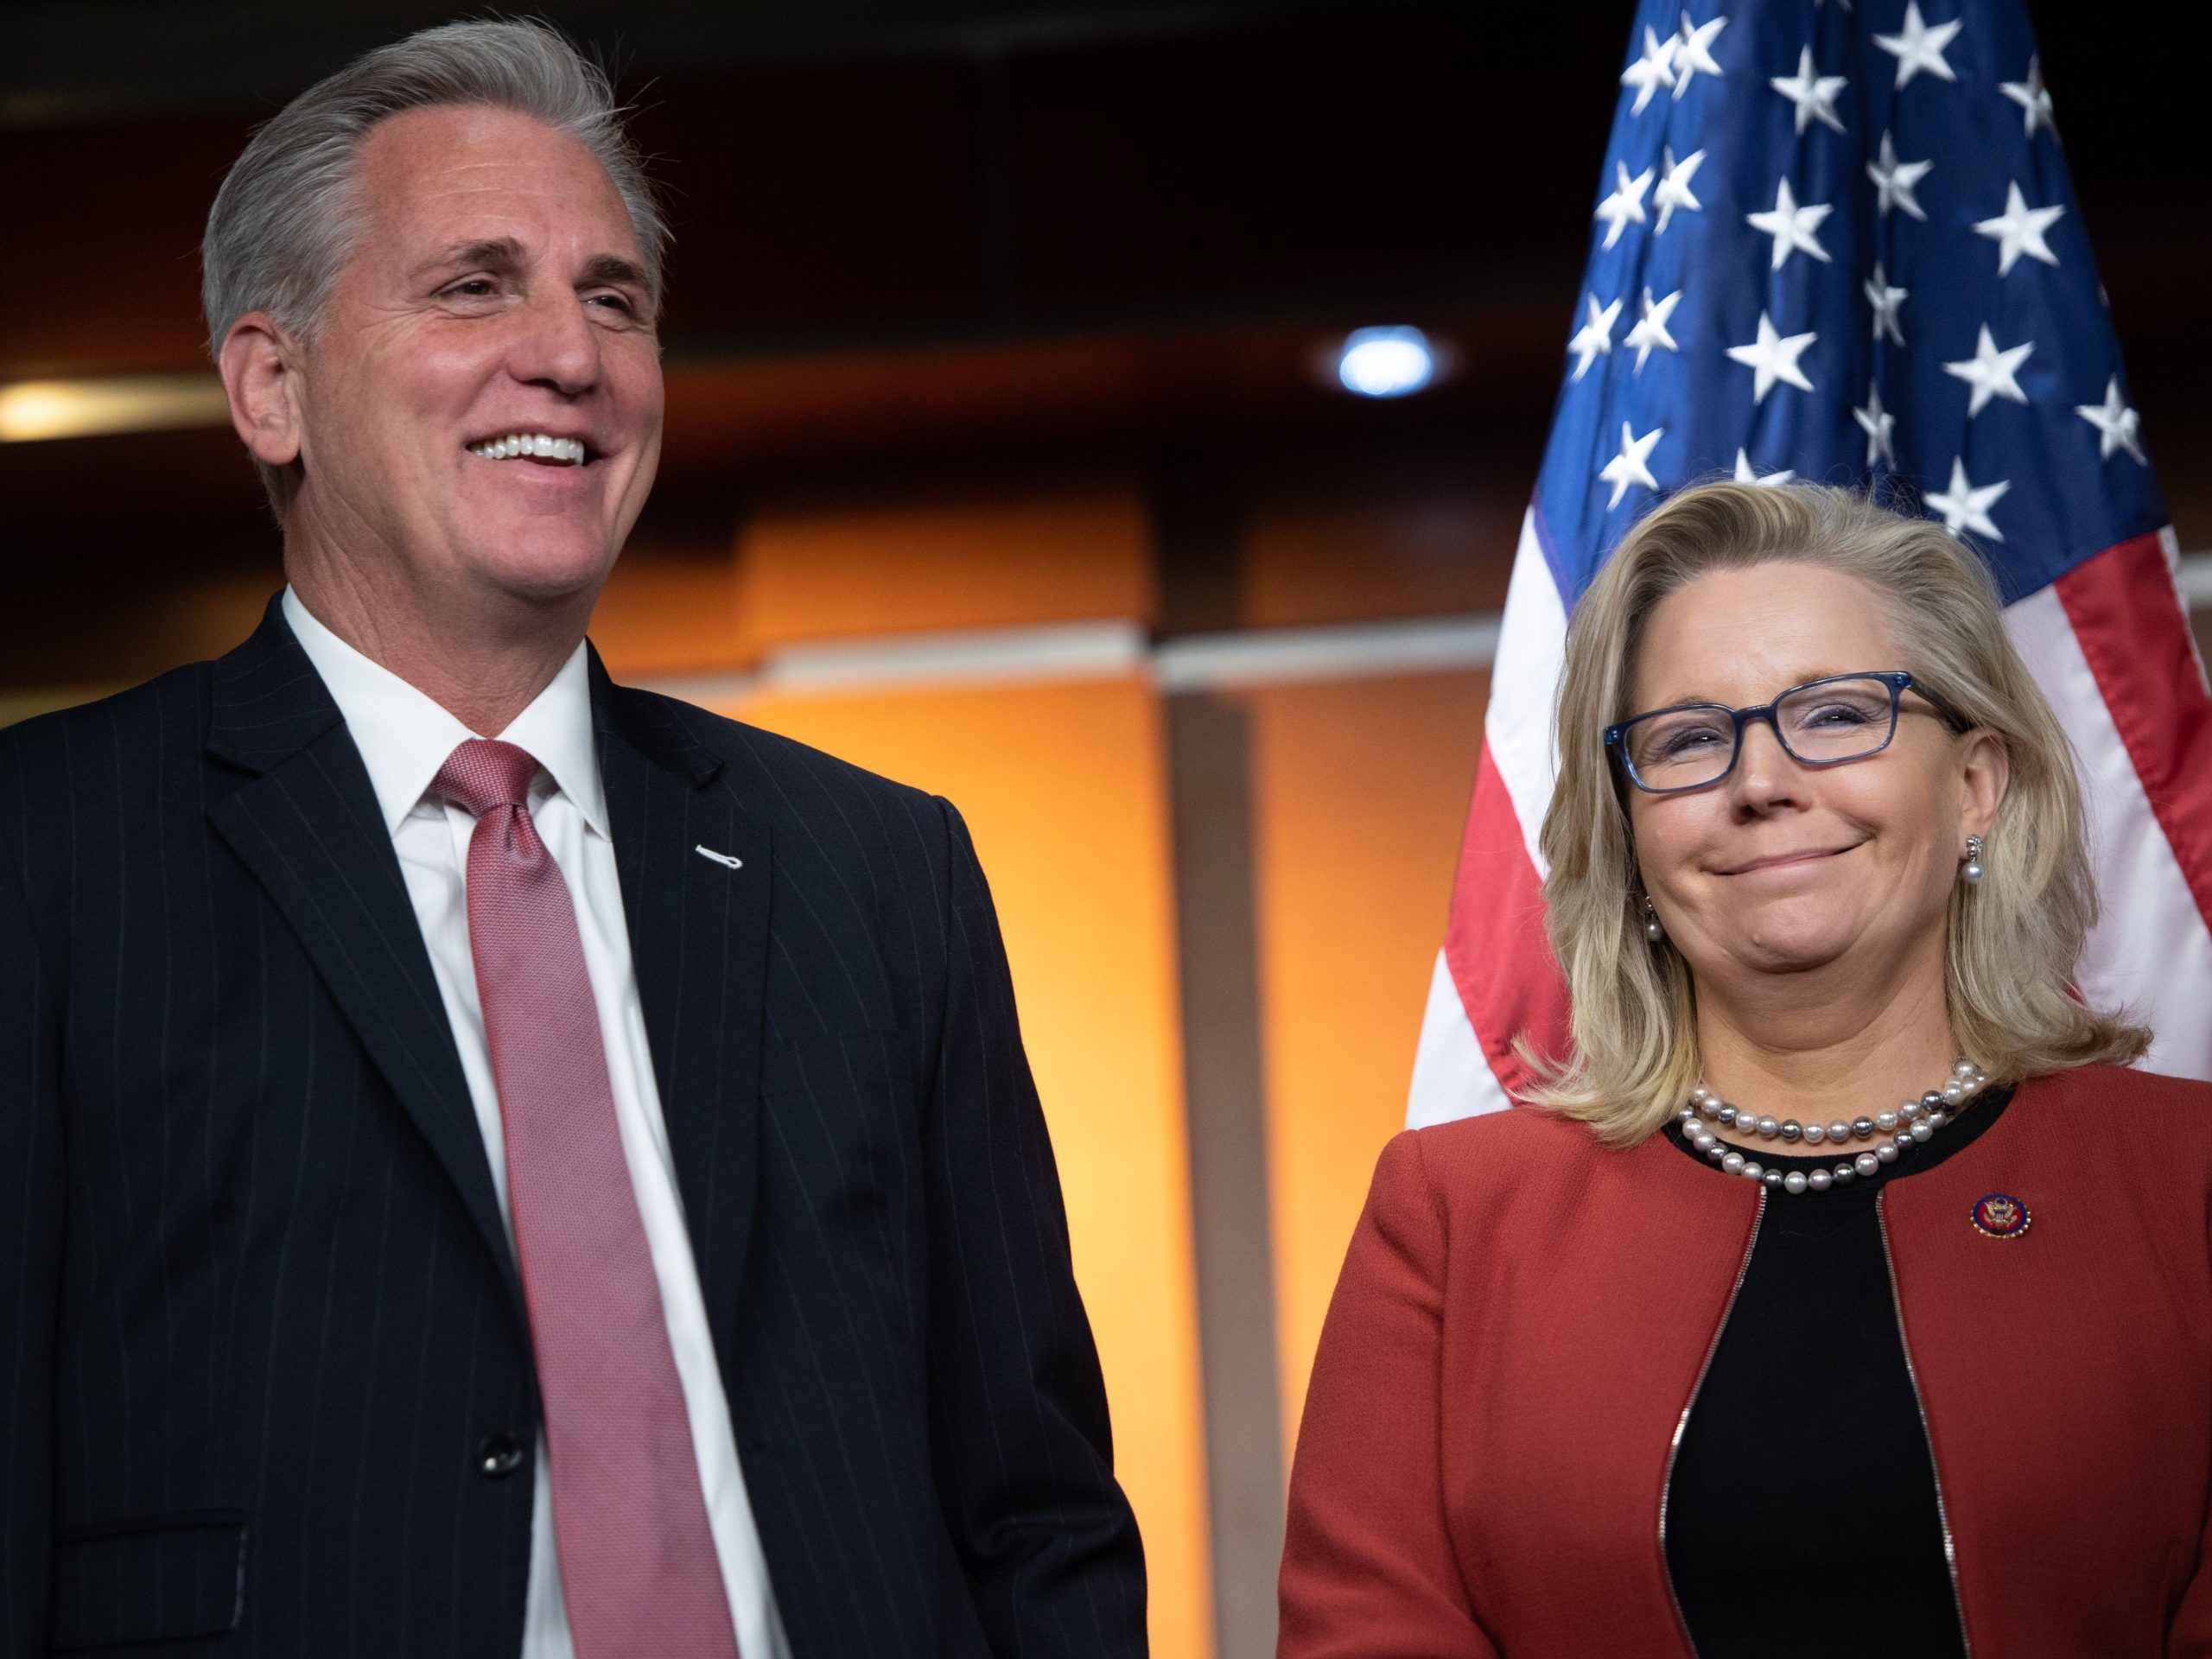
{"x":1912,"y":1124}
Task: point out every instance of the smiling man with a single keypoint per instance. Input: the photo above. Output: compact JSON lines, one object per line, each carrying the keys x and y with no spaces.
{"x":500,"y":1163}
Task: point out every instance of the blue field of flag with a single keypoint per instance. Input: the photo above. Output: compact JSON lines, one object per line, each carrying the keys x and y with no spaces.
{"x":1841,"y":245}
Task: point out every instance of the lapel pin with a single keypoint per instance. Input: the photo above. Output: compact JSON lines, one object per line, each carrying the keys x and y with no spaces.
{"x":720,"y":858}
{"x":2000,"y":1215}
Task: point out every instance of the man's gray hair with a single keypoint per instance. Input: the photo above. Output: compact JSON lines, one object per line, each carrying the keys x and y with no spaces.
{"x":283,"y":227}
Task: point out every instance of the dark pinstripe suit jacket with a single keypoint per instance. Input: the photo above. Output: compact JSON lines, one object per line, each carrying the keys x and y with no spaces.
{"x":264,"y":1338}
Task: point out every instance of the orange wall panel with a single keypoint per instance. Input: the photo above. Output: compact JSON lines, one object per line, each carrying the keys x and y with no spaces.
{"x":668,"y":614}
{"x":1013,"y":559}
{"x":1359,"y":793}
{"x":1064,"y":788}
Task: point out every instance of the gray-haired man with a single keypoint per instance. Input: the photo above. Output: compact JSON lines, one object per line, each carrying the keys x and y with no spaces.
{"x":502,"y":1163}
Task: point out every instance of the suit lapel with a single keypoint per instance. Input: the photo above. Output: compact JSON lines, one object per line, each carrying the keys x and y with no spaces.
{"x":699,"y":945}
{"x":306,"y":824}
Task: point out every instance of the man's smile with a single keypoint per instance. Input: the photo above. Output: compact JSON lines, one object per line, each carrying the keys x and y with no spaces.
{"x":533,"y":446}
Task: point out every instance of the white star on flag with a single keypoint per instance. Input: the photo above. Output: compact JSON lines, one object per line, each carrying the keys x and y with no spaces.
{"x":1746,"y":474}
{"x":1673,"y":190}
{"x":2118,"y":426}
{"x":1773,"y":357}
{"x":1625,"y":205}
{"x":1693,"y":51}
{"x":1965,"y":507}
{"x":1919,"y":47}
{"x":1595,"y":337}
{"x":2029,"y":94}
{"x":1989,"y":371}
{"x":1886,"y":300}
{"x":1627,"y":467}
{"x":1880,"y":426}
{"x":1791,"y":227}
{"x":1813,"y":95}
{"x":1894,"y":181}
{"x":1655,"y":69}
{"x":1651,"y":329}
{"x":2020,"y":229}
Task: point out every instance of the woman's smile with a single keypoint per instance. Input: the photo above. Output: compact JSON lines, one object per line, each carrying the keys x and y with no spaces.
{"x":1801,"y":858}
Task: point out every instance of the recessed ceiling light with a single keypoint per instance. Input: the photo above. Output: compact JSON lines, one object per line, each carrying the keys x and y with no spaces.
{"x":1388,"y":362}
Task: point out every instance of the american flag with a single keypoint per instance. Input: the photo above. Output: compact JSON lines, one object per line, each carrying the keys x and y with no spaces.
{"x":1840,"y":244}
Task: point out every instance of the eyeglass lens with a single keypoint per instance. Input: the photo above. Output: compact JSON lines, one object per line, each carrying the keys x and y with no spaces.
{"x":1837,"y":720}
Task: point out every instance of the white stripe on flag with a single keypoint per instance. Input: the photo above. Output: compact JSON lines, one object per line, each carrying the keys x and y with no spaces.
{"x":1451,"y":1078}
{"x":2150,"y":951}
{"x":1524,"y":686}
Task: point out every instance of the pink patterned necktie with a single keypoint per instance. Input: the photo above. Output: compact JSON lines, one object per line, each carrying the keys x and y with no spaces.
{"x":639,"y":1570}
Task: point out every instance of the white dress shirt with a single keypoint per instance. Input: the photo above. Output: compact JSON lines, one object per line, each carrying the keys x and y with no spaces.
{"x":404,"y":737}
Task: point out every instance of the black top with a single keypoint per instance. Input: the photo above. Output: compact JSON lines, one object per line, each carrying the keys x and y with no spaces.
{"x":1805,"y":1462}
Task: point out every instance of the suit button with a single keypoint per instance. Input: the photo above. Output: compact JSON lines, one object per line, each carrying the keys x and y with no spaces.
{"x":498,"y":1457}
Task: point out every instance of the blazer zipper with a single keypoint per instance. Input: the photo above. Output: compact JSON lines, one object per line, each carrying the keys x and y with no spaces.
{"x":1942,"y":1510}
{"x":1675,"y":1446}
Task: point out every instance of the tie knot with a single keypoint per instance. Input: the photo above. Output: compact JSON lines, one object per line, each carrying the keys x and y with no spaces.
{"x":483,"y":773}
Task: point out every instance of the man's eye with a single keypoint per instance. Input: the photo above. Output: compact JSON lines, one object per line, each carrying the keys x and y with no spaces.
{"x":473,"y":288}
{"x":615,"y":302}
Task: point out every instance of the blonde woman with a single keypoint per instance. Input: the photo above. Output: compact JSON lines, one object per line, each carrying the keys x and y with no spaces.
{"x":1840,"y":1295}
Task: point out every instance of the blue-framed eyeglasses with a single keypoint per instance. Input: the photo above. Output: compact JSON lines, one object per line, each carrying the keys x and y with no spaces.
{"x":1823,"y":723}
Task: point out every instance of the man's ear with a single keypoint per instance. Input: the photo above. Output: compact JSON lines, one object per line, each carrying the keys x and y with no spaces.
{"x":261,"y":365}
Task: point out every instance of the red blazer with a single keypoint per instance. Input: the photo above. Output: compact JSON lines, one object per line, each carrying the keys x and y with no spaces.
{"x":1524,"y":1316}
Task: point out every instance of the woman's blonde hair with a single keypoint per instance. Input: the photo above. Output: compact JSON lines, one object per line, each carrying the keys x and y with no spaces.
{"x":2012,"y":940}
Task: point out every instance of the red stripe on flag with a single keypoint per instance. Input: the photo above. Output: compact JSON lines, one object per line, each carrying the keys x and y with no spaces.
{"x":2131,"y":627}
{"x":1495,"y":946}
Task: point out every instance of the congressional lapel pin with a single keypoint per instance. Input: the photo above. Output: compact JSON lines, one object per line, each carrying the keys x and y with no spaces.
{"x":2000,"y":1215}
{"x":720,"y":858}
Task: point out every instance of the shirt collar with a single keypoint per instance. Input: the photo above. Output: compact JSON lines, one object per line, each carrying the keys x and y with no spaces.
{"x":405,"y":735}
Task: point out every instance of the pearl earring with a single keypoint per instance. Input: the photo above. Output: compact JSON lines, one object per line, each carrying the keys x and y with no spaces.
{"x":1971,"y":872}
{"x":1652,"y":931}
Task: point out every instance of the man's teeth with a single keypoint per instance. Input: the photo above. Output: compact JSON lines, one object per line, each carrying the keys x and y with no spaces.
{"x":535,"y":444}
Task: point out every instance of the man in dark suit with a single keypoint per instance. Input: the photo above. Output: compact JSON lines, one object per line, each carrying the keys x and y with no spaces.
{"x":496,"y":1163}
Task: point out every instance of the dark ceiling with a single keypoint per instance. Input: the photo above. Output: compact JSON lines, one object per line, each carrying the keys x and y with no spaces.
{"x":882,"y":175}
{"x":79,"y":59}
